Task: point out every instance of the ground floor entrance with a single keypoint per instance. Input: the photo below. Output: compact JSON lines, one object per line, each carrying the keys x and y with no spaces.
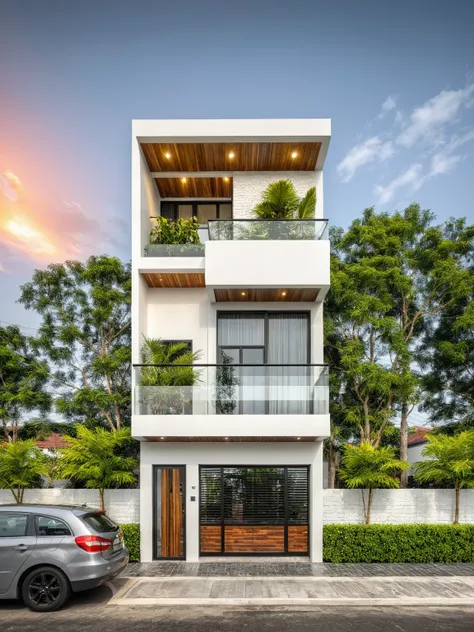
{"x":258,"y":510}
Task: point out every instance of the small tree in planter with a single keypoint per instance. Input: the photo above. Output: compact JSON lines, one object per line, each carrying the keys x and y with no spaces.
{"x":21,"y":466}
{"x":92,"y":457}
{"x":180,"y":237}
{"x":450,"y":462}
{"x":164,"y":390}
{"x":368,"y":468}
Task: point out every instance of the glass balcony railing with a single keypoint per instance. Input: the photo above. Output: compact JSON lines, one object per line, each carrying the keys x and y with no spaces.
{"x":266,"y":230}
{"x":174,"y":250}
{"x":231,"y":389}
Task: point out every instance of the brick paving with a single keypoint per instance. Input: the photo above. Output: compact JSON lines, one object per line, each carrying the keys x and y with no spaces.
{"x":293,"y":569}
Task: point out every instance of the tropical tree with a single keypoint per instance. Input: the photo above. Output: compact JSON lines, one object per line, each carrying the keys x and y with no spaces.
{"x":280,"y":201}
{"x":367,"y":467}
{"x":450,"y":462}
{"x":21,"y":466}
{"x":167,"y":365}
{"x":94,"y":458}
{"x":23,"y":381}
{"x":85,"y":337}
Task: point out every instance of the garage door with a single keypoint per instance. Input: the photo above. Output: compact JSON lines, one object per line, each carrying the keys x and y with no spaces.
{"x":254,"y":510}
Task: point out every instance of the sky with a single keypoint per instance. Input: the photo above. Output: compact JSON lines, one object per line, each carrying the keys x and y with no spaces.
{"x":396,"y":78}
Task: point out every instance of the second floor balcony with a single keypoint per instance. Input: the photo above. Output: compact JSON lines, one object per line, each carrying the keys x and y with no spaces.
{"x":228,"y":401}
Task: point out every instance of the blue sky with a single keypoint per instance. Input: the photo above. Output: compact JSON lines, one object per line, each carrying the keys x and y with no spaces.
{"x":397,"y":80}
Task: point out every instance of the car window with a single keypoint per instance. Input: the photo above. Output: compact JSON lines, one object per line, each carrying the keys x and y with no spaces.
{"x":45,"y":525}
{"x":100,"y":522}
{"x":12,"y":525}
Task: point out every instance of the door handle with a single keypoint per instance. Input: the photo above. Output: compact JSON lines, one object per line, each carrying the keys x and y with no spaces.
{"x":20,"y":547}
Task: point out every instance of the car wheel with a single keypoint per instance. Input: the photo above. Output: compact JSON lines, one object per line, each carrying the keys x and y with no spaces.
{"x":45,"y":589}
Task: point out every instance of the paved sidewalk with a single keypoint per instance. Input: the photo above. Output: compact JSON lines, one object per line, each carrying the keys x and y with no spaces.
{"x":297,"y":591}
{"x":282,"y":568}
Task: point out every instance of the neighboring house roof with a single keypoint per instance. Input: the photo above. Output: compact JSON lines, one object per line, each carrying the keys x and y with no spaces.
{"x":420,"y":435}
{"x":53,"y":442}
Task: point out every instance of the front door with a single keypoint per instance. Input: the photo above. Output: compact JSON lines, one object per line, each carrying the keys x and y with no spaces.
{"x":169,"y":513}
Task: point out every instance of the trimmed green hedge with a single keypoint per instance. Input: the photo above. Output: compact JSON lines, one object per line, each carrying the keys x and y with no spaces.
{"x":376,"y":543}
{"x":393,"y":543}
{"x":132,"y":540}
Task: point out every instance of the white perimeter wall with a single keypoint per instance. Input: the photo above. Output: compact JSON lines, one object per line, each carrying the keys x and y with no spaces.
{"x":248,"y":189}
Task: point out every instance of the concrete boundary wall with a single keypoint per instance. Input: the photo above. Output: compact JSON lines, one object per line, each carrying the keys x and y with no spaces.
{"x":394,"y":506}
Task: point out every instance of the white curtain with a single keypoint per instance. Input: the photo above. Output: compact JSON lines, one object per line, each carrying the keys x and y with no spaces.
{"x":289,"y":387}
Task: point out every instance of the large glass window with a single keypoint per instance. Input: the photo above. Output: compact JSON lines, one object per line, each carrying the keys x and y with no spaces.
{"x":204,"y":210}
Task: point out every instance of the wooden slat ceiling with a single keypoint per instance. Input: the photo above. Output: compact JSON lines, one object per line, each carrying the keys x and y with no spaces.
{"x":175,"y":279}
{"x":230,"y":439}
{"x":193,"y":157}
{"x":194,"y":187}
{"x":307,"y":295}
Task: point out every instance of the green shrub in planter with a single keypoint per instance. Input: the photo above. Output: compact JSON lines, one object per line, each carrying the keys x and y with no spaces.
{"x":132,"y":540}
{"x":404,"y":543}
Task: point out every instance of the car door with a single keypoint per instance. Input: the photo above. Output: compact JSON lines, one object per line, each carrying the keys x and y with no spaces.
{"x":17,"y":541}
{"x":55,"y":542}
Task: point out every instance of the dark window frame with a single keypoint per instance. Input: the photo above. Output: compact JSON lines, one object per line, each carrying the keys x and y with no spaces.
{"x":286,"y":522}
{"x":195,"y":204}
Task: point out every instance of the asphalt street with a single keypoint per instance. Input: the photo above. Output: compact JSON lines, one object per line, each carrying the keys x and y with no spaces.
{"x":88,"y":612}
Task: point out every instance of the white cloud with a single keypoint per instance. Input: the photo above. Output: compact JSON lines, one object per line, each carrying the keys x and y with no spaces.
{"x":426,"y":122}
{"x":389,"y":104}
{"x":371,"y":150}
{"x":442,"y":163}
{"x":410,"y":178}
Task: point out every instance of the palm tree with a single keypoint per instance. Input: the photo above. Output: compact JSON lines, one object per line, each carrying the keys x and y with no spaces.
{"x":92,"y":458}
{"x":157,"y":354}
{"x":367,"y":467}
{"x":21,"y":465}
{"x":280,"y":201}
{"x":450,"y":462}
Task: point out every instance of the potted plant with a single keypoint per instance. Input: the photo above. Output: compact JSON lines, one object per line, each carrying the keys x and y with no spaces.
{"x":166,"y":381}
{"x":175,"y":238}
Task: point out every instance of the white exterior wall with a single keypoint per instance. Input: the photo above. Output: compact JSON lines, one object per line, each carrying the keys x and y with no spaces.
{"x":192,"y":455}
{"x":249,"y":186}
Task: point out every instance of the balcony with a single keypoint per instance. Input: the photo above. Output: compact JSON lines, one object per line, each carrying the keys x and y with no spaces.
{"x":227,"y":401}
{"x":268,"y":260}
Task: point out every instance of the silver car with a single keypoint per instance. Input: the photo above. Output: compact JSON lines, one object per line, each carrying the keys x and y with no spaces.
{"x":47,"y":552}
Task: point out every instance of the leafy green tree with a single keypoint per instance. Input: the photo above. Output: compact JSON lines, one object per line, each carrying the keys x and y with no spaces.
{"x":94,"y":458}
{"x":23,"y":381}
{"x":85,"y":336}
{"x":21,"y":466}
{"x":449,"y":366}
{"x":280,"y":201}
{"x":450,"y":462}
{"x":407,"y":273}
{"x":367,"y":467}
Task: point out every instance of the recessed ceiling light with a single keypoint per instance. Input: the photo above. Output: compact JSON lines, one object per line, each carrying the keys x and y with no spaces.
{"x":226,"y":438}
{"x":294,"y":154}
{"x":231,"y":154}
{"x":243,"y":293}
{"x":184,"y":180}
{"x":298,"y":438}
{"x":162,"y":438}
{"x":226,"y":179}
{"x":168,"y":155}
{"x":283,"y":293}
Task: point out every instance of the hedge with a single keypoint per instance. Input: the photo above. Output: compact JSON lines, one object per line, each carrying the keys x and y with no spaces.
{"x":132,"y":540}
{"x":376,"y":543}
{"x":398,"y":543}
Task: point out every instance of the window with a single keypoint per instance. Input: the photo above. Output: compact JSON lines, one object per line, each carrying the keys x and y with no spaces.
{"x":12,"y":525}
{"x":48,"y":526}
{"x":100,"y":522}
{"x":204,"y":210}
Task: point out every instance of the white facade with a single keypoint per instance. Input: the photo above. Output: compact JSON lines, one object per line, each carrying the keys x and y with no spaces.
{"x":275,"y":268}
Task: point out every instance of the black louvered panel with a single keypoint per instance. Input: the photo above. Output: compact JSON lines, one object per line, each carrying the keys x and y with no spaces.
{"x":211,"y":495}
{"x":254,"y":496}
{"x":298,"y":495}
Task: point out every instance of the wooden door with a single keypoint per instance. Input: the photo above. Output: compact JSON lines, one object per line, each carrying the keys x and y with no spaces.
{"x":169,"y":488}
